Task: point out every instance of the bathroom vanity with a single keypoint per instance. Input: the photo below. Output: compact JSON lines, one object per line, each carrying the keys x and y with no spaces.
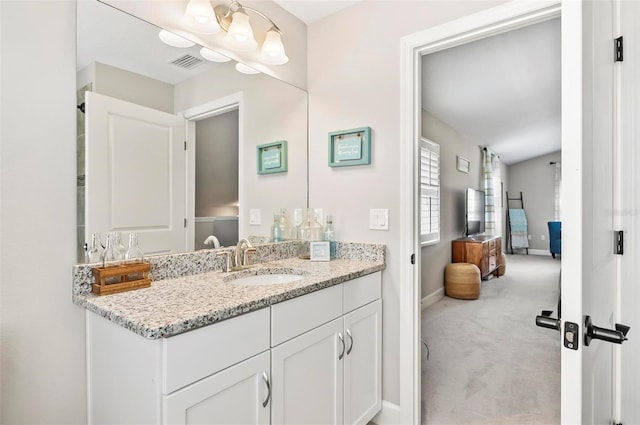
{"x":207,"y":349}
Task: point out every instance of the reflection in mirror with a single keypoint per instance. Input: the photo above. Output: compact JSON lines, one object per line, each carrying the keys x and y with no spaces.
{"x":141,"y":102}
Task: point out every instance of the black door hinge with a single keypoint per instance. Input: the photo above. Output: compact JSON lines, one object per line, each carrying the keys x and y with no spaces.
{"x":618,"y":49}
{"x":619,"y":242}
{"x":185,"y":223}
{"x":185,"y":145}
{"x":413,"y":258}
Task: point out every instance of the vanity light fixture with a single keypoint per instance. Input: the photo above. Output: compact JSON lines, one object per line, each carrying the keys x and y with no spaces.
{"x":213,"y":56}
{"x":174,"y":39}
{"x":235,"y":21}
{"x":199,"y":17}
{"x":240,"y":67}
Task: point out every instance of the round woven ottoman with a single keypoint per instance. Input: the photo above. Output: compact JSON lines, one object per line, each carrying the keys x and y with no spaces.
{"x":502,"y":268}
{"x":462,"y":280}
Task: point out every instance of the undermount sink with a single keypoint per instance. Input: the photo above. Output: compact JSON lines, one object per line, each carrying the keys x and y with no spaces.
{"x":266,"y":279}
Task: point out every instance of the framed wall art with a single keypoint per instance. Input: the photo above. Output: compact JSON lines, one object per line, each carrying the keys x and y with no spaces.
{"x":350,"y":147}
{"x":463,"y":164}
{"x":272,"y":157}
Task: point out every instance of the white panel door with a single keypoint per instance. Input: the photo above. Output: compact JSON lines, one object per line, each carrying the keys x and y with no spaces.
{"x":238,"y":395}
{"x":629,"y":408}
{"x":363,"y":364}
{"x":308,"y":378}
{"x":135,"y":173}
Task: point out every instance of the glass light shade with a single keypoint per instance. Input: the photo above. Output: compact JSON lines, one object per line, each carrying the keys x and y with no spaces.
{"x":240,"y":67}
{"x":213,"y":56}
{"x":272,"y":52}
{"x":199,"y":17}
{"x":174,"y":40}
{"x":240,"y":34}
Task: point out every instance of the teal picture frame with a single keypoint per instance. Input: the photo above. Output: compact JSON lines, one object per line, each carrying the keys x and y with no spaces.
{"x":350,"y":147}
{"x":272,"y":157}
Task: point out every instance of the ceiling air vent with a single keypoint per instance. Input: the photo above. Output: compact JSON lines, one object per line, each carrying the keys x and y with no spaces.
{"x":187,"y":61}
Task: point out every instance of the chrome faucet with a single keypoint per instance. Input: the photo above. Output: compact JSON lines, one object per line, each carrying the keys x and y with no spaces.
{"x":241,"y":253}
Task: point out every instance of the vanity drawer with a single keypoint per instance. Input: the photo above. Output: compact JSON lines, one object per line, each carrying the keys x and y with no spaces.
{"x":299,"y":315}
{"x":361,"y":291}
{"x":194,"y":355}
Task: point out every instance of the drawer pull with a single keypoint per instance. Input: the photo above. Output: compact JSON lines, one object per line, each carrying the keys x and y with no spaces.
{"x":341,"y":355}
{"x":351,"y":342}
{"x":265,"y":378}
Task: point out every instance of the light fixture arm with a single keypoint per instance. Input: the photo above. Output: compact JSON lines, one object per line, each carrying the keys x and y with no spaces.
{"x":223,"y":15}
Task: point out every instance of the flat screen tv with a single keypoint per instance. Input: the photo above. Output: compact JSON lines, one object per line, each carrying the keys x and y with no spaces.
{"x":474,"y":214}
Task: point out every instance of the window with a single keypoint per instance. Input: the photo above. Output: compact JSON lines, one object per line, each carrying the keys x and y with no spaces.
{"x":429,"y":192}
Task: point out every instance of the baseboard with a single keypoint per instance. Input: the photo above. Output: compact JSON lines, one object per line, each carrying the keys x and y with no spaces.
{"x":432,"y":298}
{"x":388,"y":415}
{"x":543,"y":252}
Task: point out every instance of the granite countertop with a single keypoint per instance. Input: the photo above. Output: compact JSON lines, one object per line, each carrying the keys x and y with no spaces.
{"x":173,"y":306}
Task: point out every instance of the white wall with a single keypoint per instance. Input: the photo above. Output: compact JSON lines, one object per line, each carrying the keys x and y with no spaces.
{"x":453,"y":185}
{"x":354,"y":81}
{"x":535,"y":178}
{"x":41,"y":331}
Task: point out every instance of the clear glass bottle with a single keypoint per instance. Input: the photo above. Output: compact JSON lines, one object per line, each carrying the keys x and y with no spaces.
{"x":94,"y":254}
{"x":311,"y":230}
{"x":329,"y":235}
{"x":133,"y":253}
{"x":285,"y":227}
{"x":119,"y":245}
{"x":276,"y":236}
{"x":111,"y":253}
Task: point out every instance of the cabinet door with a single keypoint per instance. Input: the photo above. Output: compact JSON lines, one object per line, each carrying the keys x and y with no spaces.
{"x":308,"y":377}
{"x":362,"y":368}
{"x":234,"y":396}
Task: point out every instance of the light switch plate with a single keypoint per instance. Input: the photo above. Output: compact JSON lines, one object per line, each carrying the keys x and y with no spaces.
{"x":379,"y":219}
{"x":254,"y":217}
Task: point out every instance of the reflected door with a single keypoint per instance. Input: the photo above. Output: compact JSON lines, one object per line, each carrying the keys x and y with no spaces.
{"x":135,"y":173}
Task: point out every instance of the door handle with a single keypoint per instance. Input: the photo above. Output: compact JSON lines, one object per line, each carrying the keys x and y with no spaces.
{"x":265,"y":378}
{"x":617,"y":336}
{"x":351,"y":342}
{"x":341,"y":355}
{"x":544,"y":320}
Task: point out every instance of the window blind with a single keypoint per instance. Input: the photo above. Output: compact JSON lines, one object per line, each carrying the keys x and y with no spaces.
{"x":429,"y":192}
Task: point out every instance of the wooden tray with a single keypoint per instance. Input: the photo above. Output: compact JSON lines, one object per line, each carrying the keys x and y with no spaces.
{"x":120,"y":278}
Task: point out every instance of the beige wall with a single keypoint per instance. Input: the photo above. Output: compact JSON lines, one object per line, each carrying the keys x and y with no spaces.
{"x":535,"y":178}
{"x":354,"y":81}
{"x":41,"y":331}
{"x":453,"y":185}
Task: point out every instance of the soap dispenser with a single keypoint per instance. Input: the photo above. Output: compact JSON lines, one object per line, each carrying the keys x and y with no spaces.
{"x":311,"y":230}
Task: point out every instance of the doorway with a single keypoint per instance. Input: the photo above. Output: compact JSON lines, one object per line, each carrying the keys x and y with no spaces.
{"x":477,"y":26}
{"x":487,"y":95}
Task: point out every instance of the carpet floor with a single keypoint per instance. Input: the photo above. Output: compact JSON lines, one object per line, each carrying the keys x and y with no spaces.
{"x":488,"y":363}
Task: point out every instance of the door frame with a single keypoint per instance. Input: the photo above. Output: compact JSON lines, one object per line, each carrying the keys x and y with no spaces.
{"x":200,"y":112}
{"x":483,"y":24}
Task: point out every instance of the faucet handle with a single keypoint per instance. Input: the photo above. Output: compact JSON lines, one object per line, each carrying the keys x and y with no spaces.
{"x":244,"y":255}
{"x":227,"y":264}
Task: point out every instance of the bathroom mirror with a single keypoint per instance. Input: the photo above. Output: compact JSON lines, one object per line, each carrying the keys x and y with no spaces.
{"x":122,"y":59}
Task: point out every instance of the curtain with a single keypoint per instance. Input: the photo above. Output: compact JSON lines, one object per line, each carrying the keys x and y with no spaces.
{"x":487,"y":186}
{"x":558,"y":167}
{"x":491,"y":186}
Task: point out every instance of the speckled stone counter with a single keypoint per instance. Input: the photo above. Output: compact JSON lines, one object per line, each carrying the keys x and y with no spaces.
{"x":173,"y":305}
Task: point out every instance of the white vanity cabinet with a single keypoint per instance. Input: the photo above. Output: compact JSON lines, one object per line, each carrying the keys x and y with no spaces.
{"x":330,"y":374}
{"x":177,"y":380}
{"x":312,"y":359}
{"x":238,"y":395}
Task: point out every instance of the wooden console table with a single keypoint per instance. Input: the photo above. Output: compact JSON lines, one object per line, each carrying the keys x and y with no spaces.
{"x":483,"y":251}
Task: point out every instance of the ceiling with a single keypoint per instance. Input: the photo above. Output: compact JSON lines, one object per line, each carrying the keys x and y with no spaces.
{"x":310,"y":11}
{"x":502,"y":92}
